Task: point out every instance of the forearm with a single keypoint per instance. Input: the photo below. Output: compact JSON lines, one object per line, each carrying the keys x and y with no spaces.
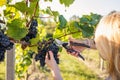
{"x":56,"y":73}
{"x":86,"y":43}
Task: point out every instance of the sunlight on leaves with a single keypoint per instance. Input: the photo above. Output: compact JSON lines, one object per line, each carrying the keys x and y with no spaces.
{"x":2,"y":2}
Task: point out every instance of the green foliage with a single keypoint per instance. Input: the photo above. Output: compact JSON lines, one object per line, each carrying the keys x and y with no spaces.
{"x":16,"y":29}
{"x":67,"y":2}
{"x":82,"y":28}
{"x":57,"y":33}
{"x":52,"y":13}
{"x":49,"y":11}
{"x":87,"y":24}
{"x":62,"y":21}
{"x":22,"y":7}
{"x":86,"y":30}
{"x":23,"y":60}
{"x":11,"y":13}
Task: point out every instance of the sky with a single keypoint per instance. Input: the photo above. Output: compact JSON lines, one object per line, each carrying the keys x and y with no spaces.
{"x":80,"y":7}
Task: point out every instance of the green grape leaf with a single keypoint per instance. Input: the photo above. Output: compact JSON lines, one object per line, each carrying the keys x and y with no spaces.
{"x":95,"y":19}
{"x":26,"y":61}
{"x":55,"y":14}
{"x":84,"y":20}
{"x":48,"y":11}
{"x":57,"y":33}
{"x":30,"y":10}
{"x":62,"y":21}
{"x":21,"y":6}
{"x":66,"y":2}
{"x":34,"y":48}
{"x":87,"y":31}
{"x":9,"y":10}
{"x":34,"y":40}
{"x":76,"y":24}
{"x":16,"y":29}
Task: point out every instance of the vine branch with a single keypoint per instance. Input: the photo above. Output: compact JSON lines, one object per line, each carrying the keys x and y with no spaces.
{"x":34,"y":13}
{"x":58,"y":37}
{"x":68,"y":34}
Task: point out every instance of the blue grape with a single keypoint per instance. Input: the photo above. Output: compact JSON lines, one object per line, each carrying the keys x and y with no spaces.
{"x":32,"y":31}
{"x":5,"y":44}
{"x":50,"y":46}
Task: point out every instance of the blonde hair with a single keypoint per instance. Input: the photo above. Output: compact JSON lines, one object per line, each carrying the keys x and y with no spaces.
{"x":107,"y":39}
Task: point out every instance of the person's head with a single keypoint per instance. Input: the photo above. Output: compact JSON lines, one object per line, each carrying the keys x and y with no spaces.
{"x":107,"y":39}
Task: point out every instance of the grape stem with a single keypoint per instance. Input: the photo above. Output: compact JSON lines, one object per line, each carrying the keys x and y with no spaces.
{"x":34,"y":13}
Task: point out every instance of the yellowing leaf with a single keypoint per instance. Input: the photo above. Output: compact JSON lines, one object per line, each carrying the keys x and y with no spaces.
{"x":2,"y":2}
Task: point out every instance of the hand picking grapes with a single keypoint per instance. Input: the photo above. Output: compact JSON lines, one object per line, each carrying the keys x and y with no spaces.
{"x":53,"y":66}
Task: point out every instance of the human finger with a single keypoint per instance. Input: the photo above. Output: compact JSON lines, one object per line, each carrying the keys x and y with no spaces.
{"x":51,"y":54}
{"x":46,"y":55}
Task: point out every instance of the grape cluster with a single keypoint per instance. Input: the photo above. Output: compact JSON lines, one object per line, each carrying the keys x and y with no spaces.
{"x":42,"y":50}
{"x":32,"y":31}
{"x":5,"y":44}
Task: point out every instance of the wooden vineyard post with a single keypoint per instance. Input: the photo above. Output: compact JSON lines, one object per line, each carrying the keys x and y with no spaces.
{"x":10,"y":63}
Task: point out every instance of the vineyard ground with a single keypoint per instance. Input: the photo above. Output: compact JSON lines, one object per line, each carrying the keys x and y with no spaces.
{"x":74,"y":69}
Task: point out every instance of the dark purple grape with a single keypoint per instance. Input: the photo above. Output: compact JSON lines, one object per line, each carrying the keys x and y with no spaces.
{"x":2,"y":51}
{"x":5,"y":44}
{"x":10,"y":46}
{"x":34,"y":23}
{"x":32,"y":31}
{"x":50,"y":46}
{"x":4,"y":40}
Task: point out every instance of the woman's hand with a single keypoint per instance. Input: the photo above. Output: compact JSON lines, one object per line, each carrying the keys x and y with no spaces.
{"x":50,"y":61}
{"x":78,"y":49}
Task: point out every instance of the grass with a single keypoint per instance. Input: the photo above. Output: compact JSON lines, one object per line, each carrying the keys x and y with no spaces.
{"x":74,"y":69}
{"x":2,"y":70}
